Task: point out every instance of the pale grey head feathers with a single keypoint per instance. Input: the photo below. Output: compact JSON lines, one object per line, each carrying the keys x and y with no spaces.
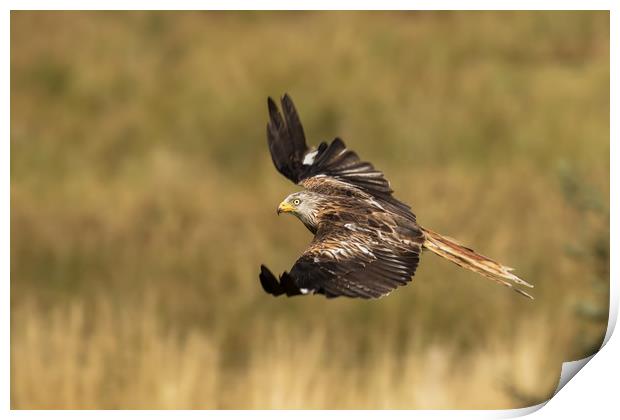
{"x":303,"y":204}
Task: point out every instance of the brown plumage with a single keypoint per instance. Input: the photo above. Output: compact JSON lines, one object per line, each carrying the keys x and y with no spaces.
{"x":366,"y":242}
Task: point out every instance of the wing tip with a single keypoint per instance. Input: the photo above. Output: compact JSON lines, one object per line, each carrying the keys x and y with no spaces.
{"x":269,"y":282}
{"x":339,"y":142}
{"x":285,"y":100}
{"x":274,"y":113}
{"x":271,"y":285}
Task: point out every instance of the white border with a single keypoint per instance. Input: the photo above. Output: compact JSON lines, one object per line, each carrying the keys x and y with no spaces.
{"x":5,"y":220}
{"x":598,"y":379}
{"x":311,"y":5}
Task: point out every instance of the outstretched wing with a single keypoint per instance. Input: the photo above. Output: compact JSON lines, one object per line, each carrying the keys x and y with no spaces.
{"x":295,"y":160}
{"x":347,"y":261}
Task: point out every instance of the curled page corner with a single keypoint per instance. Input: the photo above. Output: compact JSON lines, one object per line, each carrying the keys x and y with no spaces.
{"x":520,"y":412}
{"x":569,"y":370}
{"x":613,"y":312}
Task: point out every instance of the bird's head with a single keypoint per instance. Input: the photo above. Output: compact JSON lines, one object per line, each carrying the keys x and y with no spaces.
{"x":304,"y":205}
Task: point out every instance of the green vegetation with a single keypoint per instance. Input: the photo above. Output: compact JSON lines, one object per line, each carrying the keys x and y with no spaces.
{"x":143,"y":201}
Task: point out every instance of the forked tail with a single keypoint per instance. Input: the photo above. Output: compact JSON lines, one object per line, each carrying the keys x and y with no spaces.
{"x":468,"y":258}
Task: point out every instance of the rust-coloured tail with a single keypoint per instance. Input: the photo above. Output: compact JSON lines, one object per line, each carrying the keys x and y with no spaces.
{"x":468,"y":258}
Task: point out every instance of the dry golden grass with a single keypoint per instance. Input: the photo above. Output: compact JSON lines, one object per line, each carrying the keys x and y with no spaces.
{"x":81,"y":357}
{"x":143,"y":202}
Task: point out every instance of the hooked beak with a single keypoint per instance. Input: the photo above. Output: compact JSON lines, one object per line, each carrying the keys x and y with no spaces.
{"x":284,"y":207}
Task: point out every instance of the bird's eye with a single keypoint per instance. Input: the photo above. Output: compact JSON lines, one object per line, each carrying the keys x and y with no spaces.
{"x":297,"y":201}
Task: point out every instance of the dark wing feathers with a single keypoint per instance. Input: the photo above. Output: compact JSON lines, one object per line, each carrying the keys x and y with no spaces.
{"x":271,"y":285}
{"x":338,"y":263}
{"x":287,"y":144}
{"x":338,"y":162}
{"x":286,"y":139}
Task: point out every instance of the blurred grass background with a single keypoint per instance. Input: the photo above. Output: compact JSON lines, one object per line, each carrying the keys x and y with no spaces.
{"x":143,"y":202}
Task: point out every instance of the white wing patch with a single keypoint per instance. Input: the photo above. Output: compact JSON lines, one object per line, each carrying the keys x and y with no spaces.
{"x":309,"y":158}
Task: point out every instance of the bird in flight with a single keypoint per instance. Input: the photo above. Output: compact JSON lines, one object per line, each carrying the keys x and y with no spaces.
{"x":366,"y":242}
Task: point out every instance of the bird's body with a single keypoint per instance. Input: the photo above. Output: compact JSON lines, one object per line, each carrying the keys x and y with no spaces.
{"x":366,"y":242}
